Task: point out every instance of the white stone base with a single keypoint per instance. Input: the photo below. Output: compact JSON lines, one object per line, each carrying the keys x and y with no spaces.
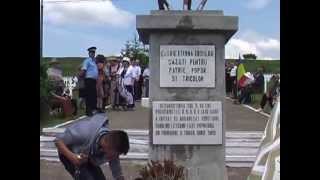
{"x":145,"y":102}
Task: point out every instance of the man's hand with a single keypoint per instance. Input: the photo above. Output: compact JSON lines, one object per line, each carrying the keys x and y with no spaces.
{"x":78,"y":160}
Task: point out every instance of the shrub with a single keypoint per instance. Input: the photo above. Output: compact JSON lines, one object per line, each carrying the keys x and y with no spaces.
{"x":166,"y":171}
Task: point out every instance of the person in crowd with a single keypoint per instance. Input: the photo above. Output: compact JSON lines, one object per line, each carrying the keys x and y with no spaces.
{"x":245,"y":95}
{"x":258,"y":84}
{"x":114,"y":79}
{"x":67,"y":96}
{"x":137,"y":80}
{"x":233,"y":79}
{"x":187,"y":4}
{"x":228,"y":79}
{"x":163,"y":4}
{"x":126,"y":80}
{"x":85,"y":145}
{"x":100,"y":59}
{"x":107,"y":84}
{"x":272,"y":92}
{"x":80,"y":86}
{"x":146,"y":75}
{"x":62,"y":101}
{"x":89,"y":71}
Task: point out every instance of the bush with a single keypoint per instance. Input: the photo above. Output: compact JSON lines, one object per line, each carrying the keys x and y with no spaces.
{"x":249,"y":56}
{"x":44,"y":90}
{"x":166,"y":171}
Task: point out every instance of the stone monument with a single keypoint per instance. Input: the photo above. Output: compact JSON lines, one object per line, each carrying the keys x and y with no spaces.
{"x":187,"y":88}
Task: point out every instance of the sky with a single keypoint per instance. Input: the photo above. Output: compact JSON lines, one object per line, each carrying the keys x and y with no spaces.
{"x":71,"y":27}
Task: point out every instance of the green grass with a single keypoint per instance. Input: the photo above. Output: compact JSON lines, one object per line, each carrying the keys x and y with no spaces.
{"x":256,"y":103}
{"x":252,"y":65}
{"x":256,"y":98}
{"x":54,"y":120}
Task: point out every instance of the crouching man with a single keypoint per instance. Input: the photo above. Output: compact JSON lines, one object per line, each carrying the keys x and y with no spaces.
{"x":87,"y":144}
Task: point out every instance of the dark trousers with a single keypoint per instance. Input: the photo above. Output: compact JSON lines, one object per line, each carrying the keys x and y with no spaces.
{"x":234,"y":87}
{"x":129,"y":88}
{"x":75,"y":105}
{"x":91,"y":94}
{"x":188,"y":2}
{"x":86,"y":171}
{"x":264,"y":101}
{"x":228,"y":84}
{"x":245,"y":97}
{"x":162,"y":3}
{"x":146,"y":84}
{"x":137,"y":90}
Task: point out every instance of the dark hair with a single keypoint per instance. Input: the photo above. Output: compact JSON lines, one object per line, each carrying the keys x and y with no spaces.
{"x":100,"y":58}
{"x":120,"y":141}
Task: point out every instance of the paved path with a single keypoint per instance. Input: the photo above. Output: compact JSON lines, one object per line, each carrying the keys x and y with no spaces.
{"x":55,"y":171}
{"x":238,"y":118}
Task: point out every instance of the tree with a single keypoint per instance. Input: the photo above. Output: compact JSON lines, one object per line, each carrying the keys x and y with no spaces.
{"x":45,"y":87}
{"x":136,"y":50}
{"x":249,"y":56}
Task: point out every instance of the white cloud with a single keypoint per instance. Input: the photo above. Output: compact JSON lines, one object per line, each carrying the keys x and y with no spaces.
{"x":252,"y":42}
{"x":95,"y":13}
{"x":258,"y":4}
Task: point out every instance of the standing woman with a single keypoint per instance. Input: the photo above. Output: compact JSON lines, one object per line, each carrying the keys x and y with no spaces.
{"x":100,"y":81}
{"x":81,"y":89}
{"x":126,"y":83}
{"x":107,"y":84}
{"x":187,"y":4}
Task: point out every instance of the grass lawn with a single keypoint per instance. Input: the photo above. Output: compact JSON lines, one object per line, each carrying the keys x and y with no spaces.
{"x":256,"y":103}
{"x":56,"y":119}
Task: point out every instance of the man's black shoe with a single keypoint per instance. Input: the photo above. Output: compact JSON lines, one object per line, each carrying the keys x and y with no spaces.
{"x":101,"y":111}
{"x":89,"y":114}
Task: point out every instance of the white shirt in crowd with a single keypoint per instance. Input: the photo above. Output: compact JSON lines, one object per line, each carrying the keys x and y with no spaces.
{"x":146,"y":72}
{"x":129,"y":76}
{"x":137,"y":72}
{"x":233,"y":71}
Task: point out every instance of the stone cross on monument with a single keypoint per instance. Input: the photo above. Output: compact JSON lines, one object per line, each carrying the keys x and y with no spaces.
{"x":187,"y":88}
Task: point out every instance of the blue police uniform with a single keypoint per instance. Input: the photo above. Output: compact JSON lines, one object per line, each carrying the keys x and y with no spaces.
{"x":91,"y":75}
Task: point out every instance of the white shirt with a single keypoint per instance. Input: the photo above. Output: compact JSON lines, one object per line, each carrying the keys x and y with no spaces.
{"x":233,"y":71}
{"x":137,"y":72}
{"x":146,"y":72}
{"x":129,"y":76}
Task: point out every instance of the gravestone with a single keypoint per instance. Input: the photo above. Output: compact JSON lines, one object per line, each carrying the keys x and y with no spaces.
{"x":187,"y":88}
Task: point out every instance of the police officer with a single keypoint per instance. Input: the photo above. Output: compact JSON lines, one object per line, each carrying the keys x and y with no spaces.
{"x":89,"y":70}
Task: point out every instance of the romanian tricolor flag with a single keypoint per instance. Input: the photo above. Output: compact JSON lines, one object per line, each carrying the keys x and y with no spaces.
{"x":241,"y":78}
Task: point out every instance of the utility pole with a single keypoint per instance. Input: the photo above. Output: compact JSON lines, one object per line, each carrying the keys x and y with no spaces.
{"x":41,"y":29}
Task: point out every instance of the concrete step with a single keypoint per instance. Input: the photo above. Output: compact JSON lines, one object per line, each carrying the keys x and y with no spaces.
{"x":48,"y":141}
{"x":52,"y":153}
{"x":144,"y":134}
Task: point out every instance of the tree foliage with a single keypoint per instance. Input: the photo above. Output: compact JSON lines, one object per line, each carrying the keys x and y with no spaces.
{"x":250,"y":56}
{"x":136,"y":50}
{"x":44,"y":80}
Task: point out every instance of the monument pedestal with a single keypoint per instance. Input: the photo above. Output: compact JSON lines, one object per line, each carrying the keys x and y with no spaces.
{"x":187,"y":88}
